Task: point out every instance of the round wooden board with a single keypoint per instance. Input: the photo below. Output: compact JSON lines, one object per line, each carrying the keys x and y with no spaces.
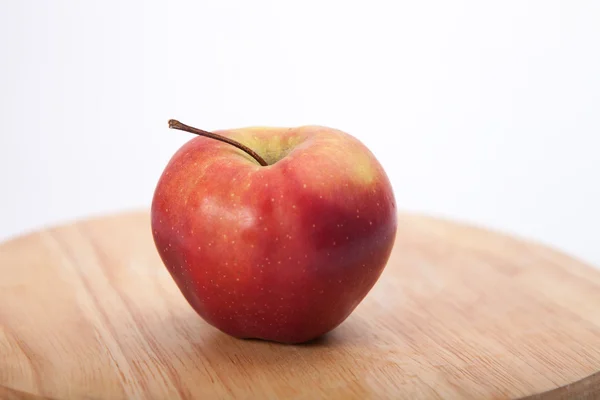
{"x":88,"y":311}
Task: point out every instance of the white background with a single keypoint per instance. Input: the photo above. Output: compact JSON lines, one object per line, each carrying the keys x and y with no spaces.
{"x":486,"y":112}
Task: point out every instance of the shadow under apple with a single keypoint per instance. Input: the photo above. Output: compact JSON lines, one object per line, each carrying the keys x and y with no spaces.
{"x":200,"y":359}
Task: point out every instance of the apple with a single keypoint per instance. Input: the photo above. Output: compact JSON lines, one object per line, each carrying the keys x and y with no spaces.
{"x":274,"y":233}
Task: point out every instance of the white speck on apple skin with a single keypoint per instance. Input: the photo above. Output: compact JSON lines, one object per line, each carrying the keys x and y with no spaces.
{"x":304,"y":185}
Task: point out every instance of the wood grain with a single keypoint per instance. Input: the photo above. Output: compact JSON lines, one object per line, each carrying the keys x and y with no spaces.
{"x":87,"y":311}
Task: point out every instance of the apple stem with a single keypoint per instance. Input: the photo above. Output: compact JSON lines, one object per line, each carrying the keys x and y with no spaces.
{"x":174,"y":124}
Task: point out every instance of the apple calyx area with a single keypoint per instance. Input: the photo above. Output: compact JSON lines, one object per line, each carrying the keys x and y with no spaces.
{"x":174,"y":124}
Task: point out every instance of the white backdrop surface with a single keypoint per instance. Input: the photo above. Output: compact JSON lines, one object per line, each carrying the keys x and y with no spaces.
{"x":485,"y":112}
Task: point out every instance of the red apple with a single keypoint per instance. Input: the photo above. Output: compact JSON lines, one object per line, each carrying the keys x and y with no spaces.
{"x":283,"y":251}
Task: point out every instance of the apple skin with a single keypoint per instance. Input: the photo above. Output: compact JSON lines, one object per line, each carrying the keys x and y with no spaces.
{"x":283,"y":252}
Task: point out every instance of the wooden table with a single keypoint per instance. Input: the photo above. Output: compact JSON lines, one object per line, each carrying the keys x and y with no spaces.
{"x":87,"y":311}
